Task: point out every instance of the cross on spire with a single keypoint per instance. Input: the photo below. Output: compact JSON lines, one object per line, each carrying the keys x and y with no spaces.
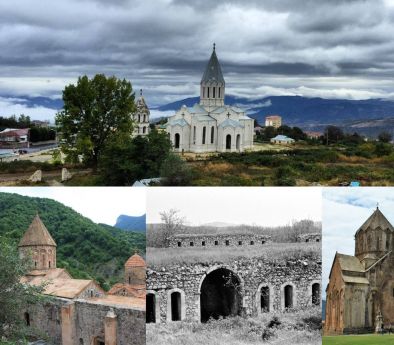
{"x":377,"y":206}
{"x":214,"y":46}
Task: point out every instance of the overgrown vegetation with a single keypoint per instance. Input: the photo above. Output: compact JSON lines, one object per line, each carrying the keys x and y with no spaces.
{"x":370,"y":163}
{"x":275,"y":252}
{"x":295,"y":327}
{"x":86,"y":249}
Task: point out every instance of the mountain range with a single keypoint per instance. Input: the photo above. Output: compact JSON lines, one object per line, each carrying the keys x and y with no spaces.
{"x":302,"y":111}
{"x":131,"y":223}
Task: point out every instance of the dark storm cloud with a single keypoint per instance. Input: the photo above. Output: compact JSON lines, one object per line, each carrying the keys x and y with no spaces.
{"x":164,"y":45}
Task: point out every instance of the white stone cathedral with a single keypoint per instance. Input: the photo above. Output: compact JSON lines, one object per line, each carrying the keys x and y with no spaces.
{"x":141,"y":117}
{"x":211,"y":125}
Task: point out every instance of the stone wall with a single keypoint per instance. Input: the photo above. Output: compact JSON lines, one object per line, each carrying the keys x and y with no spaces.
{"x":82,"y":322}
{"x":220,"y":240}
{"x":315,"y":237}
{"x":253,"y":274}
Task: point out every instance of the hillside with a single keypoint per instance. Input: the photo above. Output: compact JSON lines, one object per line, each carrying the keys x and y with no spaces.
{"x":302,"y":111}
{"x":86,"y":249}
{"x":130,"y":223}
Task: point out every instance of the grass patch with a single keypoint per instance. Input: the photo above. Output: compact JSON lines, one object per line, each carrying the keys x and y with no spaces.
{"x":276,"y":252}
{"x":297,"y":327}
{"x":369,"y":339}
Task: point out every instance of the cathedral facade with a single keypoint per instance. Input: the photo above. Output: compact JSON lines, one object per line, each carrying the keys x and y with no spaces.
{"x":360,"y":293}
{"x":210,"y":125}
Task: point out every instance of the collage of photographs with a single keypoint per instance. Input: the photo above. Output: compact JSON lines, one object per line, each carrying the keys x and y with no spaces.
{"x":179,"y":172}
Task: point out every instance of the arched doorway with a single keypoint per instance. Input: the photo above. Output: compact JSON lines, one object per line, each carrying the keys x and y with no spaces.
{"x":288,"y":295}
{"x":238,"y":142}
{"x":316,"y":294}
{"x":228,"y":142}
{"x":177,"y":140}
{"x":150,"y":308}
{"x":27,"y":319}
{"x":220,"y":295}
{"x":176,"y":308}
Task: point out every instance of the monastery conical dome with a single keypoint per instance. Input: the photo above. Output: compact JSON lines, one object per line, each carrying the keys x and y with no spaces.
{"x":37,"y":235}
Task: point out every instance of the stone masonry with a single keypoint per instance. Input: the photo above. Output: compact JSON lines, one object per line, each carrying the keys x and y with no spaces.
{"x":218,"y":240}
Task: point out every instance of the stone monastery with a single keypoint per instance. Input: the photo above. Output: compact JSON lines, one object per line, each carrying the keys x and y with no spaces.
{"x":79,"y":312}
{"x":211,"y":125}
{"x":360,"y":293}
{"x":199,"y":291}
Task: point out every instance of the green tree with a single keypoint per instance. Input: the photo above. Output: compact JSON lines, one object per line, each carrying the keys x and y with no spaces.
{"x":95,"y":110}
{"x":126,"y":159}
{"x":14,"y":296}
{"x":333,"y":134}
{"x":385,"y":137}
{"x":175,"y":172}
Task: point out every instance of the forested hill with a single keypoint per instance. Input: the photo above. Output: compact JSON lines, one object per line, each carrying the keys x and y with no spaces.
{"x":86,"y":249}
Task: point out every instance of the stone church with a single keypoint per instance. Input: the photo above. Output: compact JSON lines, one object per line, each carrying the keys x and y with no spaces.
{"x":360,"y":293}
{"x":141,"y":117}
{"x":211,"y":125}
{"x":79,"y":312}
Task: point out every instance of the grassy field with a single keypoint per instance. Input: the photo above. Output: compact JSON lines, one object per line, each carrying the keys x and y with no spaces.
{"x":300,"y":165}
{"x":370,"y":339}
{"x":161,"y":257}
{"x":301,"y":327}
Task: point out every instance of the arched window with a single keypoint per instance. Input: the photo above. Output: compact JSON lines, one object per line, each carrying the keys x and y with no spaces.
{"x":143,"y":130}
{"x":150,"y":308}
{"x":219,"y":88}
{"x":265,"y":299}
{"x":194,"y":134}
{"x":213,"y":92}
{"x":204,"y":129}
{"x":177,"y":140}
{"x":129,"y":280}
{"x":176,"y":307}
{"x":208,"y":92}
{"x":212,"y":134}
{"x":27,"y":319}
{"x":316,"y":294}
{"x":49,"y":264}
{"x":288,"y":296}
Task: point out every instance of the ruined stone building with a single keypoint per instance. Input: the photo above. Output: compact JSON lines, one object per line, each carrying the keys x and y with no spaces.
{"x":211,"y":125}
{"x":246,"y":286}
{"x":141,"y":117}
{"x":361,"y":287}
{"x":311,"y":237}
{"x":217,"y":240}
{"x":78,"y":311}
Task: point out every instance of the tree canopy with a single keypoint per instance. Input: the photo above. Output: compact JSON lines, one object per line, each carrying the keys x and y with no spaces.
{"x":95,"y":111}
{"x":14,"y":296}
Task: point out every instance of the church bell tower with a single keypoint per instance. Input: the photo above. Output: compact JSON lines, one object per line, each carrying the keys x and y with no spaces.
{"x":212,"y":84}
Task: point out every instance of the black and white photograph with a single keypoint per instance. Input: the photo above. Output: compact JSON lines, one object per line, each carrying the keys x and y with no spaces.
{"x":233,"y":266}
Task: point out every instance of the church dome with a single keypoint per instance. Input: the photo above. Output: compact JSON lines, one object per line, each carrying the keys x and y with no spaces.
{"x":135,"y":261}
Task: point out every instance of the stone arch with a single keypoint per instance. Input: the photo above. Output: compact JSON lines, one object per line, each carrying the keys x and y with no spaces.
{"x":259,"y":294}
{"x":177,"y":140}
{"x":152,"y":307}
{"x":228,"y":142}
{"x":288,"y":295}
{"x":176,"y":307}
{"x":221,"y":293}
{"x":314,"y":293}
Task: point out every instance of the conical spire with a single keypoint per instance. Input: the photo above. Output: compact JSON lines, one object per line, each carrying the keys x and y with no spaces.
{"x":135,"y":261}
{"x":376,"y":220}
{"x":213,"y":72}
{"x":141,"y":105}
{"x":37,"y":235}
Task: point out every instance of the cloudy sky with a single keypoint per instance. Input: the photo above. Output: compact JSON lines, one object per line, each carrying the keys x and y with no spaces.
{"x":344,"y":211}
{"x":101,"y":205}
{"x":268,"y":206}
{"x":266,"y":47}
